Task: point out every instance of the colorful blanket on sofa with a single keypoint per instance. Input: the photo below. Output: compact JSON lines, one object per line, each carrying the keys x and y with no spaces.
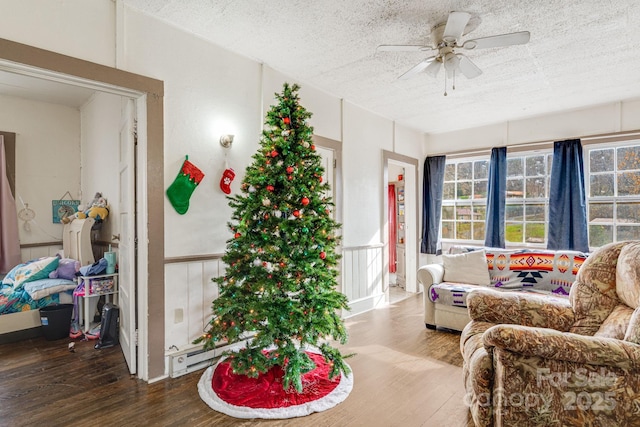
{"x":28,"y":286}
{"x":543,"y":271}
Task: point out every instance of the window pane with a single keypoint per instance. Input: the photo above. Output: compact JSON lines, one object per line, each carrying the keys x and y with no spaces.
{"x":535,"y":188}
{"x":628,"y":232}
{"x":629,"y":184}
{"x":447,"y":212}
{"x":449,"y":191}
{"x":480,"y":190}
{"x":535,"y":166}
{"x":514,"y":167}
{"x":479,"y":213}
{"x":534,"y":232}
{"x":601,"y":160}
{"x":600,"y":212}
{"x":463,"y":213}
{"x":480,"y":169}
{"x":514,"y":212}
{"x":478,"y":230}
{"x":515,"y":188}
{"x":600,"y":235}
{"x":464,"y":171}
{"x":450,"y":172}
{"x":463,"y":230}
{"x":513,"y":232}
{"x":535,"y":212}
{"x":549,"y":163}
{"x":629,"y":158}
{"x":601,"y":185}
{"x":628,"y":213}
{"x":448,"y":230}
{"x":464,"y":190}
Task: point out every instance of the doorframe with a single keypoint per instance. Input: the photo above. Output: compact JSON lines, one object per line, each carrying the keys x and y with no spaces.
{"x":149,"y":94}
{"x":410,"y":164}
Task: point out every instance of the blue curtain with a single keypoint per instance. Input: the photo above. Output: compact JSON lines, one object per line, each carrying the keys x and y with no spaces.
{"x":496,"y":199}
{"x":432,"y":186}
{"x":567,"y":198}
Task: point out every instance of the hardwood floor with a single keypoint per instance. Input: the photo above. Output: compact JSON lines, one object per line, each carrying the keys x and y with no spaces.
{"x":404,"y":375}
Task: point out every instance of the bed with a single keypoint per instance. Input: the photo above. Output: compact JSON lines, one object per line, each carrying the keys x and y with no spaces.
{"x":25,"y":289}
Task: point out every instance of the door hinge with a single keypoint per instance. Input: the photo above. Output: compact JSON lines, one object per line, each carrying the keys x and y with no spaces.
{"x":135,"y":338}
{"x":335,"y":163}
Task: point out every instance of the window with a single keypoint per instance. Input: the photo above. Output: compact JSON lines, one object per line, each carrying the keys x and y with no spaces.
{"x":527,"y":204}
{"x":613,"y":193}
{"x":464,"y":199}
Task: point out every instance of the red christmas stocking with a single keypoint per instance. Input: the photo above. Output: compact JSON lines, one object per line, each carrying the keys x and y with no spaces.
{"x":225,"y":181}
{"x":179,"y":192}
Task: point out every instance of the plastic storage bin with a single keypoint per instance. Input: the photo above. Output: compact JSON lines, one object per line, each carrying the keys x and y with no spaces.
{"x":56,"y":321}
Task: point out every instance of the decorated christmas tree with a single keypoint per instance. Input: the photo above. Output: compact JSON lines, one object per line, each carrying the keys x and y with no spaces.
{"x":279,"y":288}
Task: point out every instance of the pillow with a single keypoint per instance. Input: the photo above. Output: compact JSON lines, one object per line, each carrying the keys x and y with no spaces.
{"x":67,"y":269}
{"x":42,"y":288}
{"x":34,"y":270}
{"x":470,"y":268}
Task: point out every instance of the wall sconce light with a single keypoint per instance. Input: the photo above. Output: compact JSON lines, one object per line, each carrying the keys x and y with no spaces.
{"x":226,"y":141}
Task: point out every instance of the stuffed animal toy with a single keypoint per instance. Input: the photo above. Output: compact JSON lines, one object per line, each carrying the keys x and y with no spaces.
{"x":78,"y":215}
{"x":98,"y":209}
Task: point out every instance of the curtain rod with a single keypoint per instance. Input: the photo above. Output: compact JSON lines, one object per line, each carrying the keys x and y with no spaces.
{"x":590,"y":139}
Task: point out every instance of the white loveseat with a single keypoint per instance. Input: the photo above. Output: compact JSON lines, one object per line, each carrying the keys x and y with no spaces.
{"x":447,"y":285}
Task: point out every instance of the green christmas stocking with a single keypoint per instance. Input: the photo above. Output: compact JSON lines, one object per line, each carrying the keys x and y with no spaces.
{"x":179,"y":192}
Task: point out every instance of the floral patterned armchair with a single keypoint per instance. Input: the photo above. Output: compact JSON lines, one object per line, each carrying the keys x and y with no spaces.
{"x":532,"y":360}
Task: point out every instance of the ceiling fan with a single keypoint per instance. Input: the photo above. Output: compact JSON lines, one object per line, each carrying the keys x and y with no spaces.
{"x":448,"y":44}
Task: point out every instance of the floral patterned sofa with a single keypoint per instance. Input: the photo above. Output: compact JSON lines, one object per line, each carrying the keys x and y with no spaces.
{"x":532,"y":361}
{"x":447,"y":285}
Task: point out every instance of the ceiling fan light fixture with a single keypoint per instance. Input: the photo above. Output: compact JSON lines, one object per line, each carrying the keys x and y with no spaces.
{"x":451,"y":61}
{"x":433,"y":68}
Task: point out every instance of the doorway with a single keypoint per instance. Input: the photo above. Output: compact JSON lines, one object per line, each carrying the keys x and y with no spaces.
{"x":147,"y":95}
{"x":400,"y":175}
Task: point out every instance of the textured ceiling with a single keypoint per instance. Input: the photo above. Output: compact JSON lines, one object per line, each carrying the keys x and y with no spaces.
{"x":581,"y":53}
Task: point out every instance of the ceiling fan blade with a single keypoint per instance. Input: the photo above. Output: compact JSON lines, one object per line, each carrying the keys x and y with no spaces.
{"x":456,"y":23}
{"x":468,"y":68}
{"x":402,"y":48}
{"x":433,"y":68}
{"x":417,"y":69}
{"x":501,"y":40}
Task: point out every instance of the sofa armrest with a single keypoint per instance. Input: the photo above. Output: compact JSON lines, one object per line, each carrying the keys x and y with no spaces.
{"x":430,"y":274}
{"x":520,"y":308}
{"x":556,"y":345}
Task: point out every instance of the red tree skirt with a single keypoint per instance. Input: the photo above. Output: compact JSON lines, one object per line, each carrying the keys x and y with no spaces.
{"x":263,"y":397}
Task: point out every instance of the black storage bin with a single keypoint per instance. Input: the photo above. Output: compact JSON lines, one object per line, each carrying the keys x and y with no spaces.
{"x":56,"y":321}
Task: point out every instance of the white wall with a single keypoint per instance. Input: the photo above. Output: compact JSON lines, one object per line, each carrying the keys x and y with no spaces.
{"x":47,"y":159}
{"x":608,"y":118}
{"x":80,"y":28}
{"x":100,"y":121}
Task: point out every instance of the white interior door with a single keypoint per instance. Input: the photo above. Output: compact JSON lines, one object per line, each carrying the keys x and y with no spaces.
{"x":126,"y":247}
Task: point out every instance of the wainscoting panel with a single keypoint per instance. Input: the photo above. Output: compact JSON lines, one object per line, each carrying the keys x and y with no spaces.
{"x":189,"y":292}
{"x":362,"y":277}
{"x":33,"y":252}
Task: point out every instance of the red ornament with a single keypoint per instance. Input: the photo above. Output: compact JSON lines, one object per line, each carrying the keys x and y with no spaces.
{"x":282,"y":264}
{"x":266,"y":216}
{"x":323,"y":255}
{"x":320,"y":178}
{"x":274,"y":153}
{"x":304,"y":201}
{"x":296,"y":213}
{"x":270,"y":188}
{"x":290,"y":170}
{"x":237,"y":235}
{"x":286,"y":120}
{"x":290,"y":177}
{"x":313,"y":147}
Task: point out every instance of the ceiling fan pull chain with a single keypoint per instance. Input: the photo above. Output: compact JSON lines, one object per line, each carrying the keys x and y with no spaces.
{"x":445,"y":82}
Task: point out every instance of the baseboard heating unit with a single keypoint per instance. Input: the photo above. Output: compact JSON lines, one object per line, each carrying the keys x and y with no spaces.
{"x":194,"y":359}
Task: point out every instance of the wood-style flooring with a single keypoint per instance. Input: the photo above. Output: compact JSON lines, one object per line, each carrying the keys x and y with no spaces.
{"x":404,"y":375}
